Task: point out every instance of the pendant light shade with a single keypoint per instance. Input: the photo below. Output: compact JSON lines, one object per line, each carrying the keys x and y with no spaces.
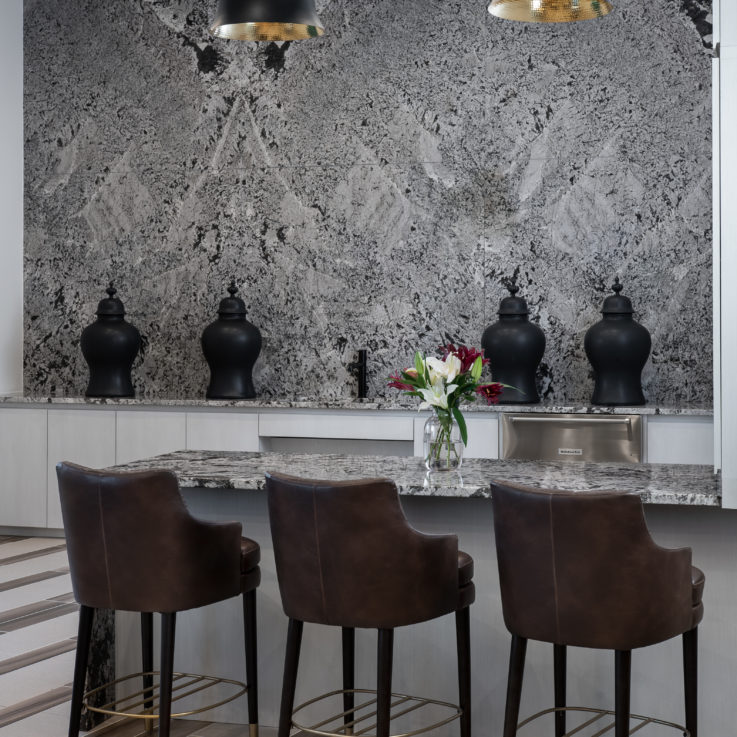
{"x":549,"y":11}
{"x":266,"y":20}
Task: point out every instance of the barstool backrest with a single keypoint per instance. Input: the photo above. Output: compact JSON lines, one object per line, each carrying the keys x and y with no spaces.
{"x":133,"y":545}
{"x":580,"y":568}
{"x":346,"y":555}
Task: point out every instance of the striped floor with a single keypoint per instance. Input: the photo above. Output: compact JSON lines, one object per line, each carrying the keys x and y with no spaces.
{"x":38,"y":629}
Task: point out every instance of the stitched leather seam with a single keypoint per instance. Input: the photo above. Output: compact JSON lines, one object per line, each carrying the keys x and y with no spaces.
{"x":104,"y":545}
{"x":555,"y":567}
{"x":319,"y":554}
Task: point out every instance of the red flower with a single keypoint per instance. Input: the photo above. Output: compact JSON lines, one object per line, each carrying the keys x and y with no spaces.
{"x":395,"y":382}
{"x":490,"y":392}
{"x":467,"y":356}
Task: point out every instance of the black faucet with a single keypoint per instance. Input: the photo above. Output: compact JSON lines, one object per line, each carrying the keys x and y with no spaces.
{"x":359,"y":366}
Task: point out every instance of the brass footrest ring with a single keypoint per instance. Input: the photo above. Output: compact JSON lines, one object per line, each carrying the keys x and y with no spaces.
{"x":401,"y":704}
{"x":643,"y":721}
{"x":144,"y":703}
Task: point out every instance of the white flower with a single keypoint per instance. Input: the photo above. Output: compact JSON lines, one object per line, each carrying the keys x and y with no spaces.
{"x":437,"y":395}
{"x":447,"y":369}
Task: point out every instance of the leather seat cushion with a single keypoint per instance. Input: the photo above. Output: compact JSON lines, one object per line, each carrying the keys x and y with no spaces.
{"x":250,"y":554}
{"x":465,"y":568}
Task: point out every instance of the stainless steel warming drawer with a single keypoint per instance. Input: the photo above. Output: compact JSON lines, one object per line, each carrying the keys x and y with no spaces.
{"x":572,"y":437}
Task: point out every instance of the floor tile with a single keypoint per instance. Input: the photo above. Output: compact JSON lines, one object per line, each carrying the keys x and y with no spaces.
{"x":50,"y":562}
{"x":29,"y":546}
{"x":38,"y":635}
{"x":37,"y":679}
{"x":39,"y":591}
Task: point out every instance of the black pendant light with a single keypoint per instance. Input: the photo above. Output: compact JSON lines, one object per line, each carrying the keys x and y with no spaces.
{"x":266,"y":20}
{"x":549,"y":11}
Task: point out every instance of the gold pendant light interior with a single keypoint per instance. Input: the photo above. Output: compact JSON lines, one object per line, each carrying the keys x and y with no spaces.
{"x":267,"y":31}
{"x":549,"y":11}
{"x":266,"y":20}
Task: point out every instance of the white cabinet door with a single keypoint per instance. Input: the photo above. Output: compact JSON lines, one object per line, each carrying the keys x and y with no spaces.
{"x":23,"y":460}
{"x":222,"y":431}
{"x":86,"y":437}
{"x":145,"y":434}
{"x":680,"y":439}
{"x":307,"y":424}
{"x":483,"y":436}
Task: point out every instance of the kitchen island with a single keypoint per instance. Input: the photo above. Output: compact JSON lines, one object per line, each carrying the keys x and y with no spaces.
{"x":682,"y":510}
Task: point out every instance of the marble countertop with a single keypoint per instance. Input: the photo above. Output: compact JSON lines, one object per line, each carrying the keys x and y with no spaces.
{"x":398,"y":403}
{"x":656,"y":483}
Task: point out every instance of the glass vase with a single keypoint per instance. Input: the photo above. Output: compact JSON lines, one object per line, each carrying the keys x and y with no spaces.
{"x":443,"y":447}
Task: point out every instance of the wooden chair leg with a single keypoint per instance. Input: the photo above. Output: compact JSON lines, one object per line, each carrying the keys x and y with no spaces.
{"x":514,"y":684}
{"x":349,"y":670}
{"x":690,"y":679}
{"x":384,"y":682}
{"x":463,"y":642}
{"x":84,"y":635}
{"x":622,"y":671}
{"x":168,"y":630}
{"x":249,"y":631}
{"x":147,"y":657}
{"x":289,"y":686}
{"x":559,"y":665}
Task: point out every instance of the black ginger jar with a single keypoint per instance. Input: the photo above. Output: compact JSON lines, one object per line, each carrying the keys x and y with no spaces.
{"x":231,"y":346}
{"x":110,"y":345}
{"x":617,"y":348}
{"x":515,"y":347}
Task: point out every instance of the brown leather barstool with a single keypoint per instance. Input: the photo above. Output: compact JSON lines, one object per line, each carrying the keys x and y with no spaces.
{"x":133,"y":546}
{"x":581,"y":569}
{"x":346,"y":556}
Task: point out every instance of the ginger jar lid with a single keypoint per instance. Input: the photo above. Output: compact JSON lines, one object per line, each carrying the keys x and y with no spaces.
{"x":110,"y":306}
{"x":513,"y":305}
{"x":617,"y":304}
{"x":232,"y":305}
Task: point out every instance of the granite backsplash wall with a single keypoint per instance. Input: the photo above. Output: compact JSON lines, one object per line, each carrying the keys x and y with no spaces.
{"x":372,"y":188}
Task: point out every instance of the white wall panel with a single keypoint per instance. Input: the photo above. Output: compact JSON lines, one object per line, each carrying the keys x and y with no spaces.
{"x":11,"y":197}
{"x":335,"y":425}
{"x":680,"y":440}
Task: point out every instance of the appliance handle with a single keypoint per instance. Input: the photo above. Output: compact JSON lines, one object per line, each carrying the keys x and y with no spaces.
{"x":609,"y":420}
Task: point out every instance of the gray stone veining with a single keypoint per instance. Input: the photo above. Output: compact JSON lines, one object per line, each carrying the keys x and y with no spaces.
{"x":367,"y":189}
{"x":655,"y":483}
{"x":395,"y":403}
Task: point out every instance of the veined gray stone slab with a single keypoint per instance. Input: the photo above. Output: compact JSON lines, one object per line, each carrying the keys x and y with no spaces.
{"x":655,"y":483}
{"x":368,"y":189}
{"x":386,"y":403}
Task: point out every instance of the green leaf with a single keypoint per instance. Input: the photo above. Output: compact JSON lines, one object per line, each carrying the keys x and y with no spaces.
{"x":476,"y":369}
{"x":419,"y":365}
{"x":461,"y":424}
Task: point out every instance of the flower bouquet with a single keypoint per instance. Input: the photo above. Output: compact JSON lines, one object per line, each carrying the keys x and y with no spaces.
{"x":443,"y":384}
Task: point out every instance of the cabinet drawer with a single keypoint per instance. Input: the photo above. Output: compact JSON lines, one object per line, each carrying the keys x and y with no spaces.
{"x":349,"y":426}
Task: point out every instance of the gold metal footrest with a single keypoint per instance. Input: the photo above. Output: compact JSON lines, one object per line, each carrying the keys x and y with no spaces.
{"x":144,"y":703}
{"x":598,"y":714}
{"x":364,"y":714}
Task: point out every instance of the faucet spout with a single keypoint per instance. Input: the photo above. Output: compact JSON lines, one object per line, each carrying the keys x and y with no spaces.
{"x":359,"y":367}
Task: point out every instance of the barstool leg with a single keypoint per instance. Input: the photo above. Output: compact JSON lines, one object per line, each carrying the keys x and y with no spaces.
{"x":559,"y":665}
{"x":384,"y":682}
{"x":84,"y":635}
{"x":289,"y":686}
{"x":514,"y":684}
{"x":690,"y":678}
{"x":622,"y":669}
{"x":349,"y":669}
{"x":147,"y":663}
{"x":463,"y":642}
{"x":168,"y":629}
{"x":249,"y":626}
